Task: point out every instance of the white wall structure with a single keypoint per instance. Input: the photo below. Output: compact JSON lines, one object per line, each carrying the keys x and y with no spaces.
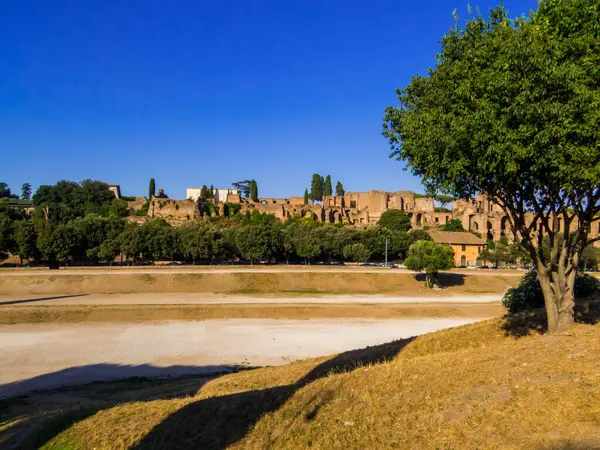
{"x":220,"y":193}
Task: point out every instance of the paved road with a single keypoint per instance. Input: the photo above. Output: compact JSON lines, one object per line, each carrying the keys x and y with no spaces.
{"x":243,"y":269}
{"x":43,"y":356}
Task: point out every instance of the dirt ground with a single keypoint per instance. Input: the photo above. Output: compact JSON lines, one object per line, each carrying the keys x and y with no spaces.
{"x":251,"y":283}
{"x":44,"y":356}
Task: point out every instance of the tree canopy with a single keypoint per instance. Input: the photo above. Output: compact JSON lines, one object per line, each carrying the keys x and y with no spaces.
{"x":395,"y":219}
{"x":453,"y":225}
{"x":510,"y":110}
{"x":339,"y":189}
{"x":429,"y":257}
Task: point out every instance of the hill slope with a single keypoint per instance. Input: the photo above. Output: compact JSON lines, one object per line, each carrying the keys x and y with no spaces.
{"x":467,"y":387}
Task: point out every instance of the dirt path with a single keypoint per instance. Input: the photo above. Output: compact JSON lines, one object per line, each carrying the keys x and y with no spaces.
{"x":215,"y":299}
{"x":42,"y":356}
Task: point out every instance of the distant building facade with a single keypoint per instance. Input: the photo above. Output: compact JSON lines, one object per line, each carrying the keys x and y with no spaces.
{"x":220,"y":194}
{"x":466,"y":246}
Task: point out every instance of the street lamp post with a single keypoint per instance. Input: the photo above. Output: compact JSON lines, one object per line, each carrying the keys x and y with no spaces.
{"x":386,"y":248}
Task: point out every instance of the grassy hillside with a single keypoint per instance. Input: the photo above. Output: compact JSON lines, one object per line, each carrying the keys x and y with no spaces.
{"x":283,"y":283}
{"x":494,"y":384}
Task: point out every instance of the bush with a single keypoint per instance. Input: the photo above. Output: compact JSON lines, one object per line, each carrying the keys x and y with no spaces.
{"x":528,"y":294}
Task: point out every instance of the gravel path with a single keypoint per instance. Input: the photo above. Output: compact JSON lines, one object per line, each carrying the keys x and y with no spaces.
{"x":44,"y":356}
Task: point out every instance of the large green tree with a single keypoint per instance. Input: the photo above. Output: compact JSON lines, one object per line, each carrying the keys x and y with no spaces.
{"x":511,"y":110}
{"x":429,"y":257}
{"x":339,"y":189}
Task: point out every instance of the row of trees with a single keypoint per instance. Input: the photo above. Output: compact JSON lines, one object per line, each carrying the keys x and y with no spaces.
{"x":256,"y":237}
{"x":321,"y":187}
{"x":6,"y":193}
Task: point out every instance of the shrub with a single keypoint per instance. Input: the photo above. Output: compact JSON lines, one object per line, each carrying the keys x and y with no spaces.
{"x":528,"y":294}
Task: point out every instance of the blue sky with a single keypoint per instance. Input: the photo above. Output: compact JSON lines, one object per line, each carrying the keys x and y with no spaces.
{"x":195,"y":92}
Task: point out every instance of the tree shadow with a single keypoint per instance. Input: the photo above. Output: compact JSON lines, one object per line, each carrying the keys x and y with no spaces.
{"x":42,"y":415}
{"x":218,"y":422}
{"x":41,"y":299}
{"x":527,"y":323}
{"x":445,"y":279}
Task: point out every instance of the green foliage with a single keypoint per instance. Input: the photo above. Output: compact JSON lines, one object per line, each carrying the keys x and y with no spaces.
{"x":395,"y":220}
{"x":453,"y":225}
{"x":511,"y":110}
{"x":418,"y":235}
{"x":429,"y":257}
{"x":306,"y":196}
{"x":151,"y":189}
{"x":339,"y":189}
{"x":26,"y":191}
{"x":328,"y":189}
{"x":441,"y":209}
{"x":528,"y":294}
{"x":356,"y":252}
{"x":316,"y":188}
{"x":24,"y":236}
{"x":204,"y":193}
{"x":243,"y":186}
{"x":590,"y":257}
{"x":67,"y":200}
{"x":143,"y":212}
{"x":253,"y":191}
{"x":258,"y":242}
{"x":211,"y":194}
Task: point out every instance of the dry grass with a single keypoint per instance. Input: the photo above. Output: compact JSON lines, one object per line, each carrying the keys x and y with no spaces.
{"x":10,"y":315}
{"x":313,"y":283}
{"x":473,"y":386}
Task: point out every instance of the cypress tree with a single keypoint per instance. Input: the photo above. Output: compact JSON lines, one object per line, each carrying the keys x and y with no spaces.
{"x":151,"y":188}
{"x":316,"y":188}
{"x":306,"y":196}
{"x":328,"y":190}
{"x":253,"y":191}
{"x":212,"y":191}
{"x":339,"y":190}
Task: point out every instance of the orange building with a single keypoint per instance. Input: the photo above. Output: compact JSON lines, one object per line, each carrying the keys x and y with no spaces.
{"x":466,"y":246}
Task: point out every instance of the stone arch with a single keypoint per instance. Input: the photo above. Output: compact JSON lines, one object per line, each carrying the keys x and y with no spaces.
{"x":503,"y":226}
{"x":490,"y":234}
{"x":473,"y":224}
{"x":463,"y":260}
{"x":419,"y":219}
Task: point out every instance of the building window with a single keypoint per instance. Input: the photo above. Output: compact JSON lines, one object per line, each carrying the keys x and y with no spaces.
{"x":437,"y":220}
{"x":464,"y":248}
{"x":352,"y":203}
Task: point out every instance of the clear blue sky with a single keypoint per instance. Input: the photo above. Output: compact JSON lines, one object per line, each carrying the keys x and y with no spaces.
{"x":196,"y":92}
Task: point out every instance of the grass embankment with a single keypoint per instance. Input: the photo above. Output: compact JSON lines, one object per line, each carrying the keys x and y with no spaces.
{"x":10,"y":315}
{"x":475,"y":386}
{"x":314,"y":283}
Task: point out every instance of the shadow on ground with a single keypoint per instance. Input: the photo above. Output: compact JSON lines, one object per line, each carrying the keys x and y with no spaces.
{"x":40,"y":299}
{"x":212,"y":423}
{"x":46,"y":413}
{"x":445,"y":280}
{"x":218,"y":422}
{"x":535,"y":322}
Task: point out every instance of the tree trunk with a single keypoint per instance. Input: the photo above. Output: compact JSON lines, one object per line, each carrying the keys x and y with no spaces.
{"x":558,"y":289}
